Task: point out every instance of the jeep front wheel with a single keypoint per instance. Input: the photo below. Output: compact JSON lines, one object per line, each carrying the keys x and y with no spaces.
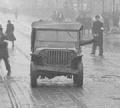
{"x":33,"y":79}
{"x":78,"y":78}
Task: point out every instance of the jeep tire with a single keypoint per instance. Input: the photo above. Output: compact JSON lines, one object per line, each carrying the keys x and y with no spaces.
{"x":33,"y":81}
{"x":78,"y":78}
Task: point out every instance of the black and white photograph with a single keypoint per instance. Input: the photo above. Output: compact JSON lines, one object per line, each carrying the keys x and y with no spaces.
{"x":59,"y":53}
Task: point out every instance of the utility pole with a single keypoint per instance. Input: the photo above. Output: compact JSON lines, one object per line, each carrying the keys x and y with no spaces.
{"x":82,"y":5}
{"x":113,"y":12}
{"x":91,"y":5}
{"x":78,"y":6}
{"x":56,"y":2}
{"x":113,"y":7}
{"x":35,"y":6}
{"x":103,"y":6}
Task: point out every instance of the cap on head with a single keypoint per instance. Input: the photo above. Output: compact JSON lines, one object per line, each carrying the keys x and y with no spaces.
{"x":0,"y":26}
{"x":97,"y":17}
{"x":9,"y":21}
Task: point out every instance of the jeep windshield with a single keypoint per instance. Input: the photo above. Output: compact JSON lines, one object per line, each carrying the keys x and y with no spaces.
{"x":56,"y":35}
{"x":58,"y":39}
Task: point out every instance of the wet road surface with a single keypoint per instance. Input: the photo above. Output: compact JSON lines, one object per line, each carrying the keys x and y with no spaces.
{"x":101,"y":78}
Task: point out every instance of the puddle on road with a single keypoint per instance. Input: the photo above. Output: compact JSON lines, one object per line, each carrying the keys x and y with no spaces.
{"x":105,"y":78}
{"x":112,"y":44}
{"x":116,"y":98}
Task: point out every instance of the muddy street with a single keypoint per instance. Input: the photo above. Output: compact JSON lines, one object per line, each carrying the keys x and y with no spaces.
{"x":101,"y":88}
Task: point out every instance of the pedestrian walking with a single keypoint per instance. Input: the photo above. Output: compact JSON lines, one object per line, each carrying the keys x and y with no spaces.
{"x":10,"y":32}
{"x":97,"y":31}
{"x":4,"y":51}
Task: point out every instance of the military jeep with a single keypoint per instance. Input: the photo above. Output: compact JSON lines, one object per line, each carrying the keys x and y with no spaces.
{"x":56,"y":51}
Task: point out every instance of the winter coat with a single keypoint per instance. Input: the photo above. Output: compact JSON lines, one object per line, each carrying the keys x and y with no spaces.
{"x":3,"y":47}
{"x":10,"y":32}
{"x":97,"y":31}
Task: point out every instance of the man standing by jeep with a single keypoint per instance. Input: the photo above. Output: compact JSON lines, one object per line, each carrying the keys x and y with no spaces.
{"x":97,"y":31}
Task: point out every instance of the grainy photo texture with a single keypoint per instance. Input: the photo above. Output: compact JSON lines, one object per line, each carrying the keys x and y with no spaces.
{"x":59,"y":53}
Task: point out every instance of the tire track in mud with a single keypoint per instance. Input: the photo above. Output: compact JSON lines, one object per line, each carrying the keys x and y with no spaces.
{"x":33,"y":94}
{"x":23,"y":95}
{"x":17,"y":94}
{"x":75,"y":94}
{"x":59,"y":96}
{"x":15,"y":102}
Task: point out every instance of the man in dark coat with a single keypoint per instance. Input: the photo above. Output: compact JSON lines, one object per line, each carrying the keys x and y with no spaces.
{"x":10,"y":32}
{"x":97,"y":31}
{"x":4,"y":51}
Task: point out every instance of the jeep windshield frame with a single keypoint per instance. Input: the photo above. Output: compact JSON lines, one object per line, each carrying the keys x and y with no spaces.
{"x":59,"y":27}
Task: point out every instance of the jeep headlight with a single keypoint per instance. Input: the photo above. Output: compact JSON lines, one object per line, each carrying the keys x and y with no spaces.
{"x":37,"y":59}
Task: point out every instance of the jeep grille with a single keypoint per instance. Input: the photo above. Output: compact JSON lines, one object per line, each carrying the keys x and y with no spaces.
{"x":59,"y":57}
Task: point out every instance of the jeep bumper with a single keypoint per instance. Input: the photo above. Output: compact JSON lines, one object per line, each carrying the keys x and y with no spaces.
{"x":59,"y":69}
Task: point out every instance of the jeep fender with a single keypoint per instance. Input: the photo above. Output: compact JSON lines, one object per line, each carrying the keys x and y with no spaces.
{"x":32,"y":68}
{"x":75,"y":63}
